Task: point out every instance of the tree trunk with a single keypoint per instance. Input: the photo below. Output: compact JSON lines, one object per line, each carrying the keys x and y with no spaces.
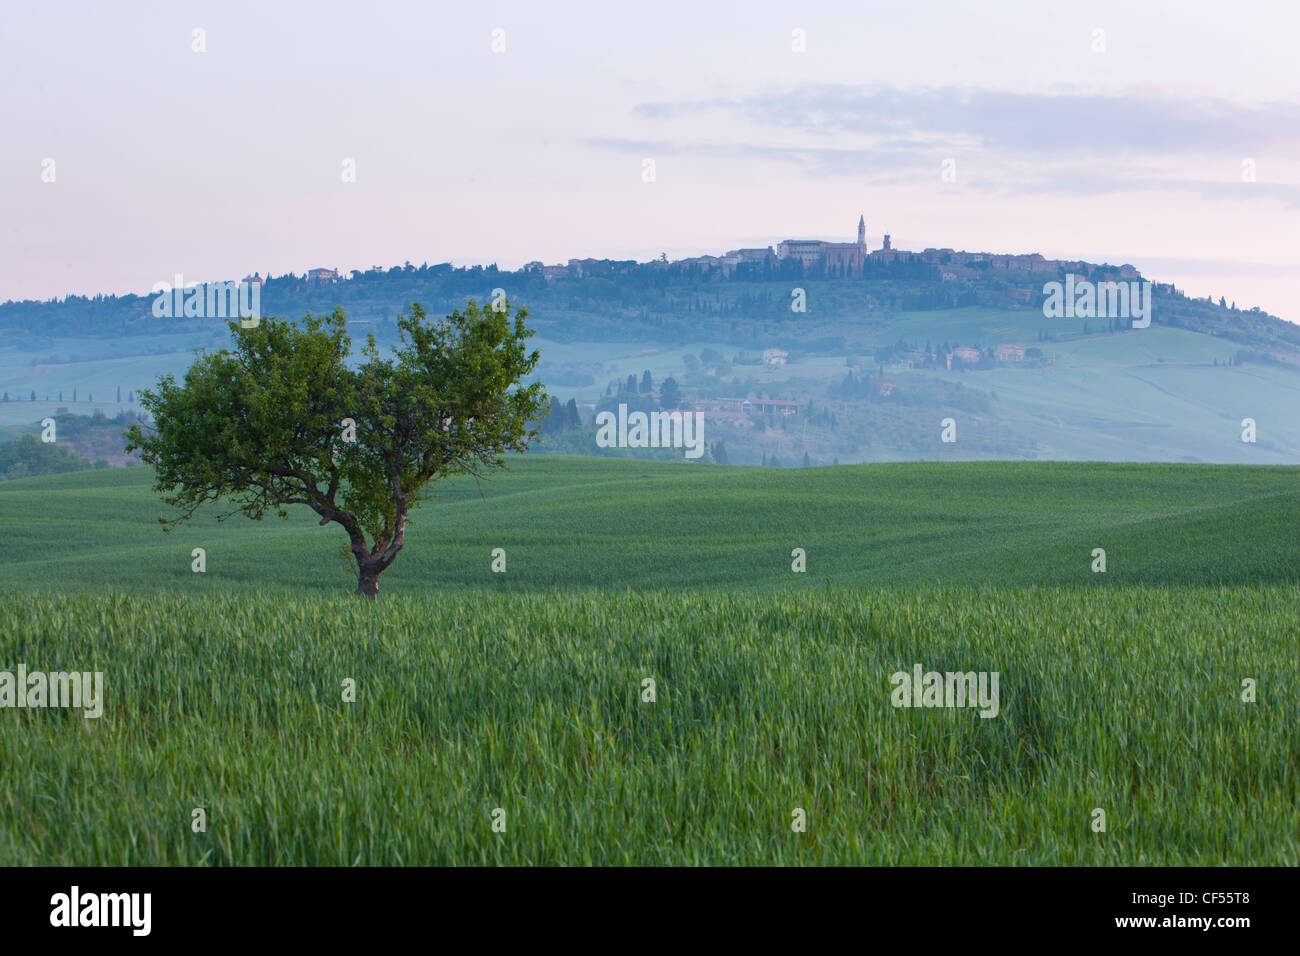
{"x":368,"y":582}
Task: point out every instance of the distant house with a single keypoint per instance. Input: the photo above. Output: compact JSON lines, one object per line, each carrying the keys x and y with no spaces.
{"x":963,"y":354}
{"x":735,"y":418}
{"x":914,"y":358}
{"x":771,"y":405}
{"x":1009,"y":353}
{"x":753,"y":255}
{"x":775,"y":356}
{"x":703,"y":264}
{"x":582,"y":268}
{"x":951,"y":273}
{"x":748,"y":405}
{"x":318,"y":276}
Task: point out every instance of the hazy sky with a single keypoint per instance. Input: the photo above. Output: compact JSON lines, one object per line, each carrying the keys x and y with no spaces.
{"x":218,"y":163}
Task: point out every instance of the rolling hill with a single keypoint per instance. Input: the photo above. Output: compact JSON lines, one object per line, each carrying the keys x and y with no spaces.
{"x":618,"y":524}
{"x":649,"y":682}
{"x":866,"y":364}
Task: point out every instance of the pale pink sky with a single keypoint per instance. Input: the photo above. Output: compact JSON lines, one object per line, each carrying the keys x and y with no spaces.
{"x":217,"y":163}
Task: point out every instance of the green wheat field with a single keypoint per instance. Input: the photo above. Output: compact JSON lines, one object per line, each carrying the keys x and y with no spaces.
{"x":523,"y":692}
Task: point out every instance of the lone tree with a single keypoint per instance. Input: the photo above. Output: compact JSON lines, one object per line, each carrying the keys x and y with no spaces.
{"x":284,"y":421}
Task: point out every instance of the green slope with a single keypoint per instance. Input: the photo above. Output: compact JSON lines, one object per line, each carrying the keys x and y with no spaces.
{"x":1148,"y":395}
{"x":571,"y":522}
{"x":1119,"y":691}
{"x":1164,"y":393}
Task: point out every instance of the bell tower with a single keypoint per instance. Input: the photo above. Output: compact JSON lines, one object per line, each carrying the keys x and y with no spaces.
{"x":862,"y":230}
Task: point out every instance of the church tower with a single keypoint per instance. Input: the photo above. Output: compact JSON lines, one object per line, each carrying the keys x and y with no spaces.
{"x":862,"y":231}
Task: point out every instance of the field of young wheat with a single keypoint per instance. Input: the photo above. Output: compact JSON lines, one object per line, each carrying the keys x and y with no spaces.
{"x":580,"y":726}
{"x":591,"y":523}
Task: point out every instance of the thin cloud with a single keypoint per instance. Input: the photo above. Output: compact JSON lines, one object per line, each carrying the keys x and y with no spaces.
{"x":1062,"y":122}
{"x":1007,"y":142}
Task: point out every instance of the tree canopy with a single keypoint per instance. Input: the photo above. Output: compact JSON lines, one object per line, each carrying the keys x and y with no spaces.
{"x":283,"y":420}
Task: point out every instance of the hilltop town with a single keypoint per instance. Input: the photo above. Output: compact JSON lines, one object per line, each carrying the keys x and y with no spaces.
{"x":818,"y":258}
{"x":841,"y":260}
